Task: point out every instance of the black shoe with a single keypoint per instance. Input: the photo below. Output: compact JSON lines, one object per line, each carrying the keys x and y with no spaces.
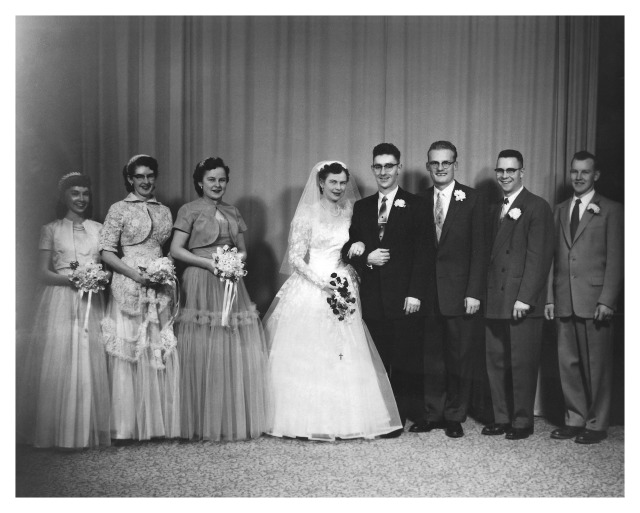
{"x":424,"y":426}
{"x":519,"y":433}
{"x":496,"y":429}
{"x":393,"y":434}
{"x":453,"y":429}
{"x":589,"y":436}
{"x":566,"y":432}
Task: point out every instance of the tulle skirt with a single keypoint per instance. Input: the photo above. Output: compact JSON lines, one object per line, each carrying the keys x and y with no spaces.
{"x":144,"y":369}
{"x":62,"y":386}
{"x":224,"y":392}
{"x":326,"y":375}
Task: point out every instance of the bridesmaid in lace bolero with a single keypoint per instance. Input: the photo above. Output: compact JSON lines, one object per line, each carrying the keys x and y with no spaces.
{"x":144,"y":372}
{"x":223,"y":368}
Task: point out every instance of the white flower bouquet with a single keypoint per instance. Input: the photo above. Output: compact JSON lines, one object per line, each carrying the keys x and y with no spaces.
{"x":160,"y":270}
{"x":229,"y":267}
{"x":88,"y":277}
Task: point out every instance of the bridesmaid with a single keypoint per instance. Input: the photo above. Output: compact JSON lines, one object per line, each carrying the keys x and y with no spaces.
{"x":144,"y":372}
{"x":63,"y":392}
{"x":223,"y":389}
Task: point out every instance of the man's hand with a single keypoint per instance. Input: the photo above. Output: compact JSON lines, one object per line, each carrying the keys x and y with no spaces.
{"x":549,"y":311}
{"x":520,"y":310}
{"x":603,"y":313}
{"x":356,"y":249}
{"x":411,"y":305}
{"x":472,"y":305}
{"x":378,"y":257}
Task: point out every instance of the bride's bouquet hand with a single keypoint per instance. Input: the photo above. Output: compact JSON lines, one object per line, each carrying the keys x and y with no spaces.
{"x":330,"y":289}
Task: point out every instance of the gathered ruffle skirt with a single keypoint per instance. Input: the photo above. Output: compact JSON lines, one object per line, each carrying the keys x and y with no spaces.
{"x":62,"y":385}
{"x":224,"y":393}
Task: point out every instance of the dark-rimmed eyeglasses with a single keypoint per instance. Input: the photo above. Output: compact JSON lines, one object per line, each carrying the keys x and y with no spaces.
{"x":509,"y":171}
{"x":434,"y":164}
{"x":387,"y":167}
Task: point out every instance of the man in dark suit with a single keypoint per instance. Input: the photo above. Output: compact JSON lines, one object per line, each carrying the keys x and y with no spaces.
{"x":584,"y":285}
{"x":393,"y":266}
{"x":520,"y":256}
{"x":456,"y":220}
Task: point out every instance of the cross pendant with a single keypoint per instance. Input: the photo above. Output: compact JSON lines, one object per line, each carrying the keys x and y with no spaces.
{"x":340,"y":355}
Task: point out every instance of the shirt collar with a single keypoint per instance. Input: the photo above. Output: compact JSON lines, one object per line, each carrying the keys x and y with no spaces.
{"x":513,"y":197}
{"x":132,"y":198}
{"x":586,"y":199}
{"x":447,"y":191}
{"x":389,"y":195}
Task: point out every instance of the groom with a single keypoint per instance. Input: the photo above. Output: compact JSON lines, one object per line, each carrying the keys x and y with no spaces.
{"x":393,"y":267}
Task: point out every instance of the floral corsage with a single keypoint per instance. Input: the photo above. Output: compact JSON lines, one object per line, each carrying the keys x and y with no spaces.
{"x":515,"y":213}
{"x":400,"y":203}
{"x":594,"y":208}
{"x":460,"y":195}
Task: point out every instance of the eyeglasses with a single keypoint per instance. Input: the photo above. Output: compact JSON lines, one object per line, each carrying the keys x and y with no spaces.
{"x":151,"y":177}
{"x":387,"y":167}
{"x":509,"y":171}
{"x":434,"y":164}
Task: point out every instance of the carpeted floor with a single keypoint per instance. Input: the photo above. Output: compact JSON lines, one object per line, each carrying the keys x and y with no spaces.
{"x":414,"y":465}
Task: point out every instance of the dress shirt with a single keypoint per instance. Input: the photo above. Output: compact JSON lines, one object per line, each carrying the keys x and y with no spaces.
{"x":584,"y":202}
{"x":445,"y":198}
{"x":511,"y":199}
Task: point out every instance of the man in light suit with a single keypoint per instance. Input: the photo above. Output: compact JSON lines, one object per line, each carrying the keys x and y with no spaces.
{"x":456,"y":221}
{"x":584,"y":285}
{"x":393,"y":266}
{"x":521,"y":251}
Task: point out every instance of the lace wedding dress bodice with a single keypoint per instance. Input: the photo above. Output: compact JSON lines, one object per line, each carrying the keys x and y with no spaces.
{"x":320,"y":235}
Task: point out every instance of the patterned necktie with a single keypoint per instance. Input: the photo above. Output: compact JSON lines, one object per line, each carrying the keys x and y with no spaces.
{"x":382,"y":217}
{"x":575,"y":218}
{"x":439,"y":216}
{"x":504,"y":210}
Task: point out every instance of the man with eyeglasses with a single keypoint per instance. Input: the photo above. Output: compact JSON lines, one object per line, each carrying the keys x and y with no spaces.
{"x":584,"y":284}
{"x":456,"y":220}
{"x":520,"y":254}
{"x":392,"y":263}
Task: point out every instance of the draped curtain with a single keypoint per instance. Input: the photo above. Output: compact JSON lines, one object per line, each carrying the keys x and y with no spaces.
{"x":275,"y":95}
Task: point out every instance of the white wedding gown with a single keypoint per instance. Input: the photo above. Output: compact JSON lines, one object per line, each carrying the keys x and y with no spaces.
{"x":327,"y":378}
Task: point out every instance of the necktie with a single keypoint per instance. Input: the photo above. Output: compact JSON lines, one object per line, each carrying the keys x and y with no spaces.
{"x":505,"y":208}
{"x":575,"y":218}
{"x":439,"y":216}
{"x":382,"y":217}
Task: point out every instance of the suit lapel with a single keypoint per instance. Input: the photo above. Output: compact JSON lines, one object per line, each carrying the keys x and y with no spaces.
{"x":508,"y":224}
{"x":454,"y":207}
{"x":430,"y":206}
{"x":586,"y":218}
{"x":564,"y":222}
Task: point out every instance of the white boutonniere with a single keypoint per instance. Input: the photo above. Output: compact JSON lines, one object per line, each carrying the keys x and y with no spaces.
{"x":593,"y":208}
{"x":515,"y":213}
{"x":460,"y":195}
{"x":399,"y":203}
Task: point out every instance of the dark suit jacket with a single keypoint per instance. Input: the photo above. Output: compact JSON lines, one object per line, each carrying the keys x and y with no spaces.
{"x":588,"y":270}
{"x":520,"y":256}
{"x":384,"y":289}
{"x":460,"y":269}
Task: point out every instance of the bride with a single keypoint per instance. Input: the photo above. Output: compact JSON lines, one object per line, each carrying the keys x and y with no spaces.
{"x":327,"y":378}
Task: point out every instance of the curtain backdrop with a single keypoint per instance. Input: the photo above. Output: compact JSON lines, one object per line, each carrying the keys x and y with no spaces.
{"x":275,"y":95}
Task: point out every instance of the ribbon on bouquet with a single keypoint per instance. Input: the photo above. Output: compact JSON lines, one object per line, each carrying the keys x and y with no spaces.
{"x":230,"y":293}
{"x":85,"y":325}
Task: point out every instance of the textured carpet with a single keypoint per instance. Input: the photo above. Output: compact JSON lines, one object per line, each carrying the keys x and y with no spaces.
{"x":414,"y":465}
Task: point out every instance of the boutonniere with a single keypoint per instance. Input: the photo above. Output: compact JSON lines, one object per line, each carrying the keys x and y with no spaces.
{"x":515,"y":213}
{"x":460,"y":195}
{"x":399,"y":203}
{"x":594,"y":208}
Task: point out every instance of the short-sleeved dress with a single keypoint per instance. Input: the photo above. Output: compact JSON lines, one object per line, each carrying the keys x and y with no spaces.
{"x":144,"y":372}
{"x":62,"y":386}
{"x":224,"y":394}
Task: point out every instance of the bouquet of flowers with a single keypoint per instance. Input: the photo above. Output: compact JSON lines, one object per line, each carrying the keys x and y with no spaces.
{"x":342,"y":301}
{"x":228,"y":264}
{"x":89,"y":278}
{"x":161,"y":271}
{"x":229,"y":267}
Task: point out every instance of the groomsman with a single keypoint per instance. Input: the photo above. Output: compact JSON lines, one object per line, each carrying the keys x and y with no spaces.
{"x":520,"y":256}
{"x":584,"y":285}
{"x":456,"y":220}
{"x":392,"y":262}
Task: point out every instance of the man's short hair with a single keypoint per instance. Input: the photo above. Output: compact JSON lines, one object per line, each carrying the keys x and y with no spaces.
{"x":386,"y":149}
{"x":511,"y":154}
{"x":585,"y":155}
{"x":444,"y":145}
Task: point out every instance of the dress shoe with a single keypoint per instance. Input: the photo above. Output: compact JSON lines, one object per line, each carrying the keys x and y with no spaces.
{"x":589,"y":436}
{"x":424,"y":426}
{"x":519,"y":433}
{"x":393,"y":434}
{"x":496,"y":429}
{"x":566,"y":432}
{"x":453,"y":429}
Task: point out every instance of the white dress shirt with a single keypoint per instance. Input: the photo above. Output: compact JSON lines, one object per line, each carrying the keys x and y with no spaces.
{"x":584,"y":202}
{"x":445,"y":198}
{"x":511,"y":199}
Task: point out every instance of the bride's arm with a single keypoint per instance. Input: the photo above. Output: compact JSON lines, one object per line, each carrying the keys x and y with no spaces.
{"x":298,"y":248}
